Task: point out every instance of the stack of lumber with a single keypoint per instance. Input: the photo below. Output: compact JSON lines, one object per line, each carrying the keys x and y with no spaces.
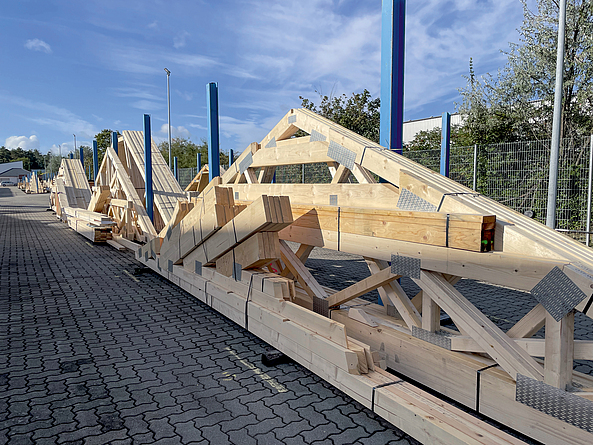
{"x":34,"y":186}
{"x":200,"y":181}
{"x":73,"y":185}
{"x":94,"y":226}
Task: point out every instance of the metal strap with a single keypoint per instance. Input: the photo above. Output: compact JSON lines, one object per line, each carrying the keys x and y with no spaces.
{"x":382,"y":385}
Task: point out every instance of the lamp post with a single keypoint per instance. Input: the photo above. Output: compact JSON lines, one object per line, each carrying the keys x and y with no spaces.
{"x":169,"y":112}
{"x":74,"y":142}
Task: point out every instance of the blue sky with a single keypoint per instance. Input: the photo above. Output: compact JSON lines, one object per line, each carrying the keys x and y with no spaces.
{"x":82,"y":66}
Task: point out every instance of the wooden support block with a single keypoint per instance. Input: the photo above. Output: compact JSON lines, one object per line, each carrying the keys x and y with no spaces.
{"x":559,"y":351}
{"x":257,"y":251}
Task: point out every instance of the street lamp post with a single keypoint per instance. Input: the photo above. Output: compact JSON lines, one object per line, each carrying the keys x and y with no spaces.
{"x":169,"y":112}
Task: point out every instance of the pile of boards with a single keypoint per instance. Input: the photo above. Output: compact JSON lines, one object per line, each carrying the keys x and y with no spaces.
{"x":227,"y":243}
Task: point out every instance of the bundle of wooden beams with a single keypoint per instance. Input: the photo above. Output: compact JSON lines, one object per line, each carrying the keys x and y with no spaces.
{"x":227,"y":244}
{"x":70,"y":188}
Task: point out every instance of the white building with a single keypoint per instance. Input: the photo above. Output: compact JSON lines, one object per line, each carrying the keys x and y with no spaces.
{"x":411,"y":128}
{"x":12,"y":171}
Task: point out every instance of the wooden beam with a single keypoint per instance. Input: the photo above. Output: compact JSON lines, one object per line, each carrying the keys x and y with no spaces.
{"x":503,"y":350}
{"x":342,"y":174}
{"x":528,"y":326}
{"x":559,"y":351}
{"x":397,"y":296}
{"x":362,"y":287}
{"x":302,"y":274}
{"x":302,"y":254}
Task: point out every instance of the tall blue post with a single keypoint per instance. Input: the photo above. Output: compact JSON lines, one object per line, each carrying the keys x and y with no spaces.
{"x":213,"y":132}
{"x":71,"y":155}
{"x":81,"y":151}
{"x":231,"y":156}
{"x":148,"y":168}
{"x":175,"y":171}
{"x":393,"y":25}
{"x":445,"y":144}
{"x":199,"y":162}
{"x":115,"y":142}
{"x":95,"y":159}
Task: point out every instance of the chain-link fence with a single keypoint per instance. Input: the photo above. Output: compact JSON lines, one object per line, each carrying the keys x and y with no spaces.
{"x":516,"y":175}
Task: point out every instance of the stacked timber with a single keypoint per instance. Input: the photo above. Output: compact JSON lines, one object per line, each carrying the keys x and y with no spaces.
{"x":92,"y":225}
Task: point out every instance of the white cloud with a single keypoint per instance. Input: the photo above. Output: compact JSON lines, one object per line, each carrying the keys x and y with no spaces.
{"x":38,"y":45}
{"x":26,"y":143}
{"x":179,"y":40}
{"x":176,"y":132}
{"x":154,"y":25}
{"x":146,"y":105}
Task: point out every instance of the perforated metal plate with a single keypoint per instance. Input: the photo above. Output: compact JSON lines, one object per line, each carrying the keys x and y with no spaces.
{"x":139,"y":251}
{"x":169,"y":233}
{"x":441,"y":339}
{"x":145,"y":256}
{"x":292,"y":119}
{"x":236,"y":195}
{"x":320,"y":306}
{"x":333,"y":200}
{"x":237,"y":268}
{"x":341,"y":154}
{"x":245,"y":163}
{"x":392,"y":311}
{"x":555,"y":402}
{"x":316,"y":136}
{"x":170,"y":265}
{"x":198,"y":268}
{"x":272,"y":143}
{"x":557,"y":293}
{"x":582,"y":270}
{"x":409,"y":201}
{"x":405,"y":266}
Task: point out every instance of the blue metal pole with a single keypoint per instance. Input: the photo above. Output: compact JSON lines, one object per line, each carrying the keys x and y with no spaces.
{"x":148,"y":168}
{"x":445,"y":144}
{"x":81,"y":151}
{"x":95,"y":158}
{"x":199,"y":162}
{"x":175,"y":171}
{"x":393,"y":21}
{"x":71,"y":155}
{"x":213,"y":132}
{"x":114,"y":141}
{"x":231,"y":157}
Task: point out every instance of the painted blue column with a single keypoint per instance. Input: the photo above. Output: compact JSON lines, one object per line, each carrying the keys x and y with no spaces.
{"x":81,"y":151}
{"x":393,"y":24}
{"x":71,"y":155}
{"x":445,"y":144}
{"x":231,"y":156}
{"x":175,"y":171}
{"x":95,"y":159}
{"x":148,"y":168}
{"x":114,"y":142}
{"x":198,"y":162}
{"x":213,"y":131}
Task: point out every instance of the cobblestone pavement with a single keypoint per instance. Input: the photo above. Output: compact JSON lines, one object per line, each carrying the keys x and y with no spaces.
{"x":93,"y":351}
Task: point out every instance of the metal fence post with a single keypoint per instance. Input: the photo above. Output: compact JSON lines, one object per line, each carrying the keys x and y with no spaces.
{"x":475,"y":182}
{"x":303,"y":172}
{"x":114,"y":142}
{"x":175,"y":169}
{"x":198,"y":162}
{"x":445,"y":144}
{"x":231,"y":156}
{"x":589,"y":186}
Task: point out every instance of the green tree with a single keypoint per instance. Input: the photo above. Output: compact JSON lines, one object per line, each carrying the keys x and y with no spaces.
{"x":359,"y":112}
{"x":185,"y":151}
{"x":517,"y":103}
{"x":103,"y":139}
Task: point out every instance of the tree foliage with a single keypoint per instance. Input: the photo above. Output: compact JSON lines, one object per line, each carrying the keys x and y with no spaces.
{"x":185,"y":151}
{"x":517,"y":103}
{"x":32,"y":159}
{"x":359,"y":112}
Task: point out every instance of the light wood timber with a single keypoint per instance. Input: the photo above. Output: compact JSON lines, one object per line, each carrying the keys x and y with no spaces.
{"x":230,"y":175}
{"x":559,"y":351}
{"x":302,"y":274}
{"x":350,"y":195}
{"x":342,"y":174}
{"x":509,"y":356}
{"x":528,"y":326}
{"x":397,"y":296}
{"x":289,"y":154}
{"x":302,"y":254}
{"x":362,"y":287}
{"x":257,"y":251}
{"x":360,"y":315}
